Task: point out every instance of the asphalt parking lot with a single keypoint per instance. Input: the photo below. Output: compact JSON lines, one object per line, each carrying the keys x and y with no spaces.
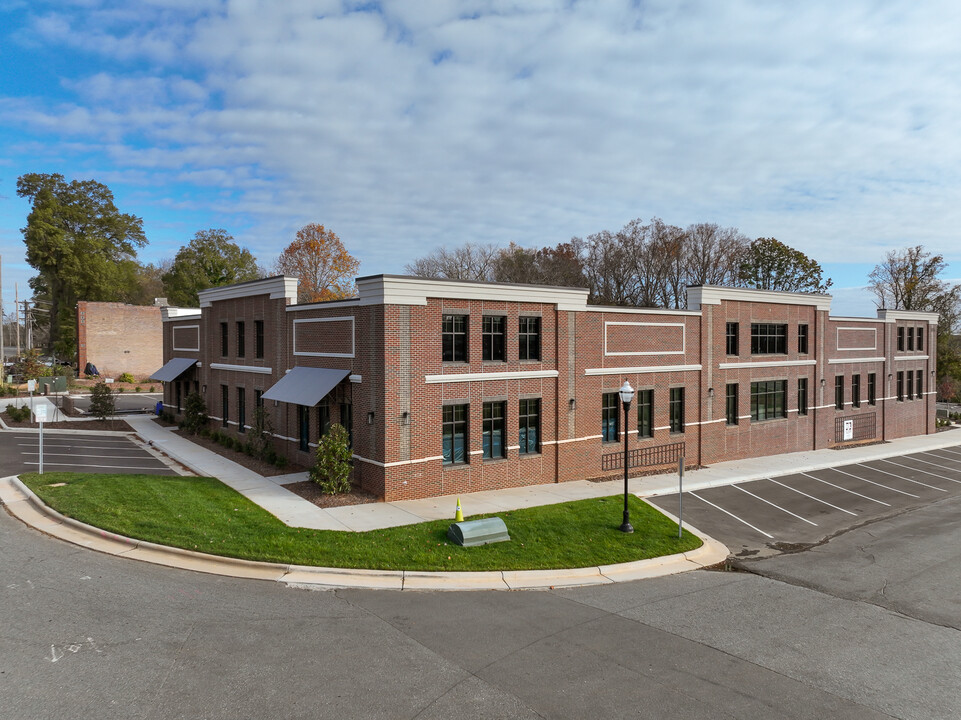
{"x":793,"y":512}
{"x":96,"y":453}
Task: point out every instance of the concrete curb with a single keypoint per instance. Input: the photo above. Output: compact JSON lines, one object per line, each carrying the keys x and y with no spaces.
{"x":22,"y":503}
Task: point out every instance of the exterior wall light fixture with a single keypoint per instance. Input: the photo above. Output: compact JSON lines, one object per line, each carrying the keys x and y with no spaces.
{"x":405,"y":418}
{"x":370,"y":418}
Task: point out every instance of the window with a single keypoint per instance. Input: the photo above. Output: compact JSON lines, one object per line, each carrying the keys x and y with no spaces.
{"x":178,"y":391}
{"x":911,"y":338}
{"x":802,"y":339}
{"x":241,"y":410}
{"x":492,"y":436}
{"x":529,"y":338}
{"x":347,"y":420}
{"x":645,"y":413}
{"x":900,"y":386}
{"x":676,"y":409}
{"x":768,"y":400}
{"x":920,"y":339}
{"x":731,"y":338}
{"x":918,"y":388}
{"x":529,"y":422}
{"x":258,"y":398}
{"x":303,"y":422}
{"x":730,"y":405}
{"x":838,"y":392}
{"x":856,"y":391}
{"x":802,"y":396}
{"x":900,"y":338}
{"x":493,"y":331}
{"x":609,"y":415}
{"x":323,"y":417}
{"x":224,"y":345}
{"x":910,"y":384}
{"x":259,"y":338}
{"x":454,"y":338}
{"x":241,"y":338}
{"x":224,"y":403}
{"x":454,"y":430}
{"x":768,"y":339}
{"x":872,"y":389}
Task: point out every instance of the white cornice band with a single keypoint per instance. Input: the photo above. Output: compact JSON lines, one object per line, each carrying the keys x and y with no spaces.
{"x":481,"y":377}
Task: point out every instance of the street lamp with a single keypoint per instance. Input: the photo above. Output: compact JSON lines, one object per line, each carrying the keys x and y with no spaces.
{"x":627,"y":394}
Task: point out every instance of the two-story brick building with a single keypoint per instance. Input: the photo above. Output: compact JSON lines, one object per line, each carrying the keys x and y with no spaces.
{"x":450,"y":387}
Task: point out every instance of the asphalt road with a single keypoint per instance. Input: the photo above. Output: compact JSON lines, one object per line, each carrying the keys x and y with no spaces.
{"x":766,"y":517}
{"x":97,"y":453}
{"x":856,"y":629}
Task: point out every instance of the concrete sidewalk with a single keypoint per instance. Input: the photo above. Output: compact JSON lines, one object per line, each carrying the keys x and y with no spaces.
{"x":297,"y":512}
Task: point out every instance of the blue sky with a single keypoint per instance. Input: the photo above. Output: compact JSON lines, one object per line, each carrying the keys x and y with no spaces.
{"x":411,"y":125}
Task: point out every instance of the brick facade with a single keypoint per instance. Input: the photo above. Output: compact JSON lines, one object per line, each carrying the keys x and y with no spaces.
{"x":725,"y":377}
{"x":119,"y":338}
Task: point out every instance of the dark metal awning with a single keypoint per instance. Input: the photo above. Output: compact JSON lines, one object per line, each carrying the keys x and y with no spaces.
{"x":305,"y":385}
{"x":174,"y":368}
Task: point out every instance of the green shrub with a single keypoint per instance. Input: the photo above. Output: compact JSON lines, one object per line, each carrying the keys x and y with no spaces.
{"x":280,"y":461}
{"x":18,"y":414}
{"x":195,"y":413}
{"x":102,"y":403}
{"x":332,"y":468}
{"x":151,"y":388}
{"x":119,"y":389}
{"x":126,"y":378}
{"x":261,"y":432}
{"x":137,"y":389}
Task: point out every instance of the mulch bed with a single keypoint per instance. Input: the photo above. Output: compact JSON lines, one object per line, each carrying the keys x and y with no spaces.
{"x":85,"y":426}
{"x":310,"y":491}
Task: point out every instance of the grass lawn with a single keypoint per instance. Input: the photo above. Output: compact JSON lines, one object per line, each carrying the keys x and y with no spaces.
{"x":205,"y":515}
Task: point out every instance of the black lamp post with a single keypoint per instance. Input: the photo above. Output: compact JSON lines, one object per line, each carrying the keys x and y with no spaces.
{"x":627,"y":394}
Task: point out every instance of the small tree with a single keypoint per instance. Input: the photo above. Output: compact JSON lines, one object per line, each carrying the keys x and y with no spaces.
{"x":102,"y":402}
{"x":332,"y":469}
{"x":195,"y":413}
{"x":260,"y":433}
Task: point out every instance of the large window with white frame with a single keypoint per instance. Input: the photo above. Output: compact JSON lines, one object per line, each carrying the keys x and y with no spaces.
{"x":768,"y":400}
{"x":768,"y":339}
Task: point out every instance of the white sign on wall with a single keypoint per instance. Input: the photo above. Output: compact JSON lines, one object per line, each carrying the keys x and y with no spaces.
{"x":847,"y":431}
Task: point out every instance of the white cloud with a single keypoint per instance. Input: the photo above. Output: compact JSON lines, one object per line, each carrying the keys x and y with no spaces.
{"x":832,"y":127}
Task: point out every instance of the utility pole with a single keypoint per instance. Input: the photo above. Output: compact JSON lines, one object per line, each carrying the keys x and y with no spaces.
{"x":16,"y":311}
{"x":3,"y":349}
{"x":28,"y":324}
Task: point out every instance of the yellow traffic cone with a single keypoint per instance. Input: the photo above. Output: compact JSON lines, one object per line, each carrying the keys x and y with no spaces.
{"x":459,"y":515}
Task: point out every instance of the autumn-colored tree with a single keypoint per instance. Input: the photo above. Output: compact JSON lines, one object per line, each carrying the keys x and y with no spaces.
{"x":319,"y":259}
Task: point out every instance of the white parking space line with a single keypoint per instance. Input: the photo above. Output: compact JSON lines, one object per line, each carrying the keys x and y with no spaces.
{"x":745,"y":522}
{"x":102,"y":457}
{"x":928,"y":462}
{"x":941,"y":457}
{"x":951,"y":451}
{"x":738,"y":487}
{"x":879,"y":502}
{"x":81,"y":447}
{"x":902,"y":492}
{"x":899,"y":477}
{"x":823,"y":502}
{"x":77,"y":438}
{"x":926,"y":472}
{"x":112,"y":467}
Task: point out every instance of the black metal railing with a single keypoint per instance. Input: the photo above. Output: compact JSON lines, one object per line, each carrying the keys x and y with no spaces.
{"x":644,"y":457}
{"x":855,"y":427}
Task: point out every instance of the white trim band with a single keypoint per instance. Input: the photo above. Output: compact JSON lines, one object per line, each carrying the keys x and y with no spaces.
{"x":481,"y":377}
{"x":846,"y":361}
{"x":242,"y":368}
{"x":644,"y":369}
{"x":765,"y":364}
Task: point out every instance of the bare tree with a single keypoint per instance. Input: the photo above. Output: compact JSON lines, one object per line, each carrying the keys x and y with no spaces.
{"x":714,"y":254}
{"x":467,"y":262}
{"x":909,"y":279}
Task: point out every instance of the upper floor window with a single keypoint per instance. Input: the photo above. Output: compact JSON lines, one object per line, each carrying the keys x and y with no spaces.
{"x":454,"y":338}
{"x":645,"y":413}
{"x":258,"y":338}
{"x":529,"y":424}
{"x":241,"y":339}
{"x":529,"y":338}
{"x":609,"y":415}
{"x":768,"y":400}
{"x":856,"y":390}
{"x":900,"y":338}
{"x":920,"y":339}
{"x":494,"y":336}
{"x":768,"y":339}
{"x":224,"y":344}
{"x":676,"y":409}
{"x":730,"y":338}
{"x":802,"y":339}
{"x":910,"y":338}
{"x":838,"y":392}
